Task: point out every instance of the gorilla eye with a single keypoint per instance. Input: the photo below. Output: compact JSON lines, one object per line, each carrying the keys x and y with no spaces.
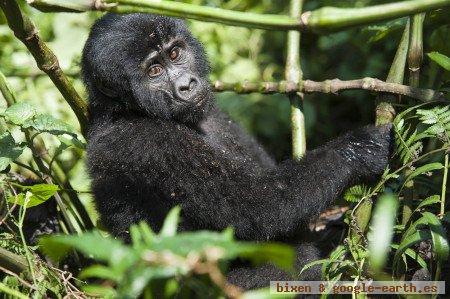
{"x":155,"y":70}
{"x":174,"y":53}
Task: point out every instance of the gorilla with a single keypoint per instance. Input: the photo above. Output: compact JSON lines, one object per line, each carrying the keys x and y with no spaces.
{"x":157,"y":140}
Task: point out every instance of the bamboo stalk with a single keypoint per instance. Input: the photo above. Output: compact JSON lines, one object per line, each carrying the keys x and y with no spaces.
{"x":11,"y":261}
{"x":294,"y":74}
{"x":326,"y":19}
{"x":333,"y":86}
{"x":415,"y":53}
{"x":46,"y":60}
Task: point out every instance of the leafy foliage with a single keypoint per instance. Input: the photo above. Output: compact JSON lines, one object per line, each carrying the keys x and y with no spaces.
{"x":164,"y":256}
{"x":42,"y":156}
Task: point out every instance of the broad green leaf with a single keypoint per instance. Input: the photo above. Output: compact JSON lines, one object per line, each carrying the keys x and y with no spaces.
{"x":36,"y":194}
{"x":429,"y":201}
{"x":147,"y":234}
{"x":414,"y":255}
{"x":423,"y":169}
{"x":422,"y":221}
{"x":98,"y":291}
{"x":170,"y":225}
{"x":382,"y":230}
{"x":225,"y":247}
{"x":18,"y":113}
{"x":47,"y":123}
{"x":134,"y":283}
{"x":9,"y":151}
{"x":409,"y":241}
{"x":440,"y":242}
{"x":100,"y":271}
{"x":440,"y":59}
{"x":312,"y":264}
{"x":92,"y":244}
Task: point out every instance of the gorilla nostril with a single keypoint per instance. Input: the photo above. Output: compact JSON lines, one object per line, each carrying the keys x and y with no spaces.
{"x":184,"y":88}
{"x":193,"y":84}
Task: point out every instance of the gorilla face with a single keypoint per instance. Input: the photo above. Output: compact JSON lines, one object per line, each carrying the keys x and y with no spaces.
{"x":148,"y":64}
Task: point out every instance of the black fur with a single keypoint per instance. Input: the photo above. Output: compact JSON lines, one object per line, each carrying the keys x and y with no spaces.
{"x":146,"y":155}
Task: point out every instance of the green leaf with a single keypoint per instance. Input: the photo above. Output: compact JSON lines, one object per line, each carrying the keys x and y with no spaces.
{"x":312,"y":264}
{"x":423,"y":169}
{"x":356,"y":193}
{"x":429,"y":201}
{"x":92,"y":244}
{"x":440,"y":242}
{"x":36,"y":195}
{"x":100,"y":271}
{"x":18,"y":113}
{"x":9,"y":151}
{"x":170,"y":225}
{"x":99,"y":291}
{"x":409,"y":241}
{"x":137,"y":280}
{"x":440,"y":59}
{"x":47,"y":123}
{"x":382,"y":230}
{"x":414,"y":255}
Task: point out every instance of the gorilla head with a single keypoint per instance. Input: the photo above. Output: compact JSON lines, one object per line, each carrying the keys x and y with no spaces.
{"x":149,"y":64}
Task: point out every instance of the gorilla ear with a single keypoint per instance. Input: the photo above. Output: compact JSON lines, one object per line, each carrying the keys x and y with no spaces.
{"x":105,"y":90}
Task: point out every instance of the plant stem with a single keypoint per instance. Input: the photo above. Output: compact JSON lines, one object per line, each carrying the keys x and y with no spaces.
{"x":444,"y":185}
{"x":28,"y":256}
{"x":11,"y":261}
{"x":46,"y":60}
{"x":326,"y":19}
{"x":294,"y":74}
{"x":415,"y":52}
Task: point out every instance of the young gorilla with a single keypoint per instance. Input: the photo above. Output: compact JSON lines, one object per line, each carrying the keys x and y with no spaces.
{"x":156,"y":140}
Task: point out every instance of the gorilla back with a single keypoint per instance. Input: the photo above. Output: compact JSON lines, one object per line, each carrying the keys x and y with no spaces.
{"x":156,"y":140}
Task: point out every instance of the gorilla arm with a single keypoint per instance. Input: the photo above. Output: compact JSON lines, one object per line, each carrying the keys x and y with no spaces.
{"x":215,"y":192}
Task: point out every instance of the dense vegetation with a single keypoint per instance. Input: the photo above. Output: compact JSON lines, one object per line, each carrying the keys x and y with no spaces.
{"x":392,"y":229}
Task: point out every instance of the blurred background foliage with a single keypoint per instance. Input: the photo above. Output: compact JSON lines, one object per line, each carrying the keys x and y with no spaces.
{"x":236,"y":54}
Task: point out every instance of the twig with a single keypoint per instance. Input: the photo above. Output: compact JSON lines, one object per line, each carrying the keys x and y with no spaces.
{"x":26,"y":32}
{"x":333,"y":86}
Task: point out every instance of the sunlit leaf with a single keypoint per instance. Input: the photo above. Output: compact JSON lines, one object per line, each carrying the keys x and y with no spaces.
{"x":36,"y":195}
{"x":19,"y":113}
{"x":47,"y":123}
{"x":429,"y":201}
{"x":170,"y":225}
{"x":424,"y":169}
{"x":440,"y":59}
{"x":382,"y":229}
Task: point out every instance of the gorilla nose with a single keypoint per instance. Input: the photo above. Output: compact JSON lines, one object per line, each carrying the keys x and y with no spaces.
{"x":186,"y":86}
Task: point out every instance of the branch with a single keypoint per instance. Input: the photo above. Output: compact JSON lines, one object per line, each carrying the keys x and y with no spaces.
{"x":330,"y":86}
{"x":11,"y":261}
{"x":26,"y":32}
{"x":326,"y":19}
